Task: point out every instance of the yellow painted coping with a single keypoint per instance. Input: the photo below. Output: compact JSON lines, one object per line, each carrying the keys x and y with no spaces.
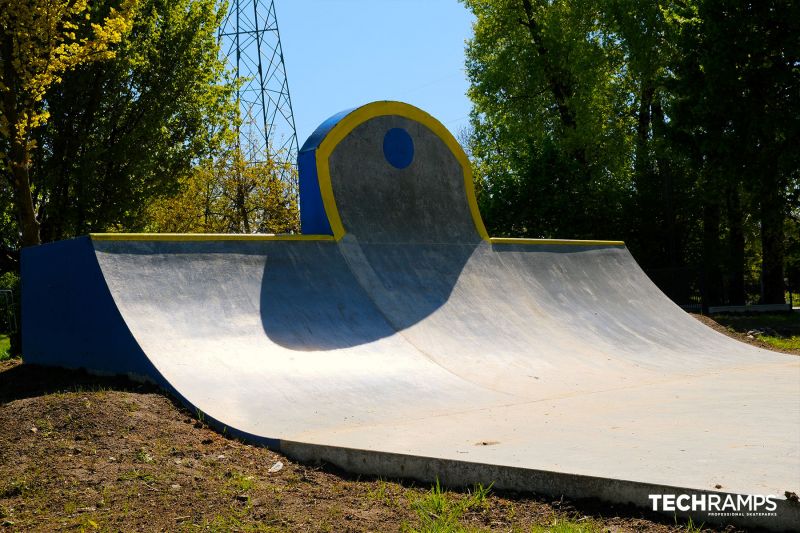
{"x":380,"y":109}
{"x":558,"y":242}
{"x":206,"y":237}
{"x":177,"y":237}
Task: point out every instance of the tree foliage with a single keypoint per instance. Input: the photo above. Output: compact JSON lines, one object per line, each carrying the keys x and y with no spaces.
{"x":229,"y":195}
{"x":670,"y":124}
{"x":40,"y":41}
{"x":127,"y":131}
{"x":550,"y":120}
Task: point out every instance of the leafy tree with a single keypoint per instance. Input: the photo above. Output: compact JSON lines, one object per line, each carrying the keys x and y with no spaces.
{"x":551,"y":120}
{"x":737,"y":89}
{"x":661,"y":217}
{"x":130,"y":130}
{"x":41,"y":40}
{"x":672,"y":124}
{"x":229,"y":195}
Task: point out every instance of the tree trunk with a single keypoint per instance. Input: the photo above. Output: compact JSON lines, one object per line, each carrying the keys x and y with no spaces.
{"x":562,"y":90}
{"x":772,"y":245}
{"x":20,"y":180}
{"x":643,"y":122}
{"x":735,"y":254}
{"x":664,"y":171}
{"x":18,"y":157}
{"x":712,"y":280}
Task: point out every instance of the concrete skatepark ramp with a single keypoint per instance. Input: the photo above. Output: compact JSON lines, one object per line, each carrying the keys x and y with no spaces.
{"x":396,"y":338}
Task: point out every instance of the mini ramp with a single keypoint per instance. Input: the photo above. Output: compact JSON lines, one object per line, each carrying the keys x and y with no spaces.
{"x":395,"y":338}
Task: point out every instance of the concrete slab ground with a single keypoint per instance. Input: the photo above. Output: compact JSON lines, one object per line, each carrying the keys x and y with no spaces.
{"x":403,"y":341}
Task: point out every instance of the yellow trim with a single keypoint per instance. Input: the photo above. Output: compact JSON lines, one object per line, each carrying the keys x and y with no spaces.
{"x":205,"y":237}
{"x":560,"y":242}
{"x":379,"y":109}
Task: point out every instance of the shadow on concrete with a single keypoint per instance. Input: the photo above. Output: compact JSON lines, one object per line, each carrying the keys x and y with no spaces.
{"x":351,"y":295}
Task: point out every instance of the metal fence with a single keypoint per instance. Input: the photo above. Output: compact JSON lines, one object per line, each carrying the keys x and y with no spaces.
{"x":684,"y":286}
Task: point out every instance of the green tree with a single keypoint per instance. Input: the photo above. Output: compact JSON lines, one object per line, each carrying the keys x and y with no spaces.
{"x":129,"y":130}
{"x":551,"y":121}
{"x":227,"y":194}
{"x":737,"y":116}
{"x":661,"y":212}
{"x":672,"y":124}
{"x":41,"y":41}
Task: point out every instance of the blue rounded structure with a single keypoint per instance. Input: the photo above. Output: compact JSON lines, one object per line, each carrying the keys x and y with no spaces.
{"x":398,"y":148}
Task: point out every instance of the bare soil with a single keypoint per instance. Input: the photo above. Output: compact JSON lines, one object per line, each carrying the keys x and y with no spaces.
{"x":81,"y":453}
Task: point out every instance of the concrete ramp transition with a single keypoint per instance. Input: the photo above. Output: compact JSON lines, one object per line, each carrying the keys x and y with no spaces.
{"x":394,"y":337}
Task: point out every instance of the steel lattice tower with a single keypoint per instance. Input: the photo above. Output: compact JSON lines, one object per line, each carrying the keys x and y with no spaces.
{"x":251,"y":42}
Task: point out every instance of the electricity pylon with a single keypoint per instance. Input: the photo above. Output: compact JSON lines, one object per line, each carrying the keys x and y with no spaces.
{"x":251,"y":43}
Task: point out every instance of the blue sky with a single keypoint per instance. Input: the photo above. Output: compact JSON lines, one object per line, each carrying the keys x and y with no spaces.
{"x":340,"y":54}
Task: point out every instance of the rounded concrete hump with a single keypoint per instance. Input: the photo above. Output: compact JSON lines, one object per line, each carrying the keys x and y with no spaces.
{"x":387,"y":172}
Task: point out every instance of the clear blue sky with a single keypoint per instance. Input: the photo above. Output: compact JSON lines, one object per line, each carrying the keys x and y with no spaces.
{"x":344,"y":53}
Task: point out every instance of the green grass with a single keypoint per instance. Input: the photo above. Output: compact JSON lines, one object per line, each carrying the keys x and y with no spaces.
{"x":782,"y":343}
{"x":744,"y":322}
{"x":440,"y":511}
{"x":561,"y":525}
{"x":786,"y":325}
{"x":5,"y":348}
{"x":240,"y":483}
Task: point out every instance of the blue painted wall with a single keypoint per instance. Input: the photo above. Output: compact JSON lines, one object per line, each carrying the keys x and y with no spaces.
{"x":69,"y":317}
{"x":313,"y":219}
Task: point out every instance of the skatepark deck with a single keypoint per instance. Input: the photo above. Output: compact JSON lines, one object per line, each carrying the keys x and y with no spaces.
{"x":396,"y":338}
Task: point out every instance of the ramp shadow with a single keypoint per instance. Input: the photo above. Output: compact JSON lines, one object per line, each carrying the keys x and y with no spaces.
{"x":335,"y":298}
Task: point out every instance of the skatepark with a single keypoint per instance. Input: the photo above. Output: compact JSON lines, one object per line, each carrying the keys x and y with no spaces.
{"x":395,"y":337}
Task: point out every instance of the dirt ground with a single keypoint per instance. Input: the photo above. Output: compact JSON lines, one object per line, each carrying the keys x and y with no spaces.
{"x":81,"y":453}
{"x":741,"y":334}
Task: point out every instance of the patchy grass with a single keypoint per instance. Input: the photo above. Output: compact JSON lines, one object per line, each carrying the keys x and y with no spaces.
{"x":440,"y":511}
{"x":782,"y":343}
{"x":5,"y":348}
{"x":775,"y":331}
{"x":112,"y":455}
{"x":569,"y":526}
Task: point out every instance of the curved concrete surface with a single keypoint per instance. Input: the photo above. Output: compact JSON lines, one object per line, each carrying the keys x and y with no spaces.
{"x":410,"y":344}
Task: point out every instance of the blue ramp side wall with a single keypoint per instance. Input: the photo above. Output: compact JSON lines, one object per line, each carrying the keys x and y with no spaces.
{"x":313,"y":219}
{"x":69,"y":317}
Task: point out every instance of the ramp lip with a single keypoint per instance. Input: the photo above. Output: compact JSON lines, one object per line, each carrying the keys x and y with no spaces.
{"x":186,"y":237}
{"x":555,"y":242}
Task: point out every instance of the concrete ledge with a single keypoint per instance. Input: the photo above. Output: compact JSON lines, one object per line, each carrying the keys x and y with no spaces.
{"x":459,"y":474}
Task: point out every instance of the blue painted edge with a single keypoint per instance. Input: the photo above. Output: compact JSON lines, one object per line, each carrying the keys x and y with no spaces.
{"x":313,"y":218}
{"x":322,"y":131}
